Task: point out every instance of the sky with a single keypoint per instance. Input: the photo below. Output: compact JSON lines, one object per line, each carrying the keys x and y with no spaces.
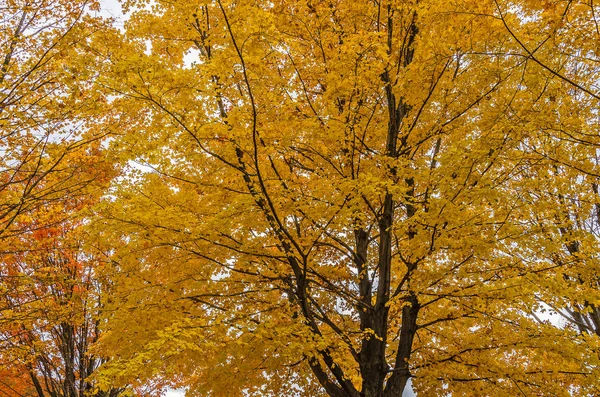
{"x":175,"y":393}
{"x":111,"y":8}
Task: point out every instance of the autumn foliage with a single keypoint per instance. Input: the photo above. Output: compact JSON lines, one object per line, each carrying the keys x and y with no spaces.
{"x":338,"y":198}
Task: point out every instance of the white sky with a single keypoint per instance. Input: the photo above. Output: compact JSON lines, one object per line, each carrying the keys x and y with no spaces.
{"x":111,"y":8}
{"x":175,"y":393}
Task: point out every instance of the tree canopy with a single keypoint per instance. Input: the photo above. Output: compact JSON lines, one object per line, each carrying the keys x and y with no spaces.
{"x":337,"y":197}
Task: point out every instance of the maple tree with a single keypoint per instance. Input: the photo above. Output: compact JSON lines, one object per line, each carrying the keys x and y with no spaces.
{"x":342,"y":196}
{"x":49,"y":303}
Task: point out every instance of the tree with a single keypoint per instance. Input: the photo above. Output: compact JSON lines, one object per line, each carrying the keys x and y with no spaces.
{"x":339,"y":196}
{"x":50,"y":295}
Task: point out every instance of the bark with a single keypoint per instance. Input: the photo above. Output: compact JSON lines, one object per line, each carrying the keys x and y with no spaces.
{"x":397,"y":382}
{"x":374,"y":366}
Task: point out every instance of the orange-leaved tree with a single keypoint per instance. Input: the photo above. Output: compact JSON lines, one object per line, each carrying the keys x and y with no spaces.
{"x":339,"y":196}
{"x":51,"y":293}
